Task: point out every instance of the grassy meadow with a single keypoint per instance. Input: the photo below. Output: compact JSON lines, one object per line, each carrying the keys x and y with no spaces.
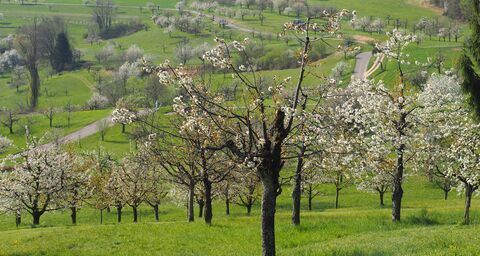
{"x":360,"y":226}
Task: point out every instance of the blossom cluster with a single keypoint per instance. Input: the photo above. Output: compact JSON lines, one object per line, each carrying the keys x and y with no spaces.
{"x":394,"y":47}
{"x":330,"y":26}
{"x":123,"y":116}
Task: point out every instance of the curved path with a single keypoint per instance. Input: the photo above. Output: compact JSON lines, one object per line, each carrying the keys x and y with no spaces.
{"x":361,"y":64}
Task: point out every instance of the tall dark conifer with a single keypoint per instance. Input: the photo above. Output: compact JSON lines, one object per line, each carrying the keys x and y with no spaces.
{"x":62,"y":54}
{"x":471,"y":57}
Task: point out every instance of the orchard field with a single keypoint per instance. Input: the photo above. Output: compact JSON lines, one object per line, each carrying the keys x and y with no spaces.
{"x":277,"y":127}
{"x":358,"y":227}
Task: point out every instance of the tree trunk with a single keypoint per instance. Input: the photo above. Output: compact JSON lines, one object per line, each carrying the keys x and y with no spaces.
{"x":249,"y":209}
{"x":18,"y":219}
{"x":208,"y":200}
{"x":310,"y":199}
{"x":36,"y":217}
{"x":135,"y":214}
{"x":381,"y":198}
{"x":337,"y":193}
{"x":34,"y":86}
{"x":227,"y":206}
{"x":269,"y":201}
{"x":297,"y":189}
{"x":10,"y":122}
{"x":397,"y":193}
{"x":123,"y":128}
{"x":191,"y":195}
{"x":468,"y":200}
{"x":101,"y":216}
{"x":201,"y":204}
{"x":445,"y":194}
{"x":74,"y":215}
{"x":155,"y":210}
{"x":119,"y":213}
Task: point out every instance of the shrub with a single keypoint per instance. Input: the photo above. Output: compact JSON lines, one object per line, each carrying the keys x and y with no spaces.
{"x":97,"y":101}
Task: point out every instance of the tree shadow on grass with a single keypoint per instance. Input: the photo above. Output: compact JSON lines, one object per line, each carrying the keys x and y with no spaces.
{"x":116,"y":141}
{"x":423,"y":218}
{"x":358,"y":252}
{"x":316,"y":206}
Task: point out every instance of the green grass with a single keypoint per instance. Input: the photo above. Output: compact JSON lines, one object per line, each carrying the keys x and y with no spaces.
{"x":116,"y":142}
{"x":57,"y":91}
{"x":39,"y":125}
{"x":410,"y":11}
{"x":359,"y":227}
{"x":425,"y":50}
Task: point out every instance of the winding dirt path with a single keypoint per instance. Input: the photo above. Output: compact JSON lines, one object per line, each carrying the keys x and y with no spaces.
{"x":361,"y":64}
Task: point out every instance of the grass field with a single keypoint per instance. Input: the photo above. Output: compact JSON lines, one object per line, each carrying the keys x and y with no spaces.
{"x":57,"y":91}
{"x":39,"y":125}
{"x":358,"y":227}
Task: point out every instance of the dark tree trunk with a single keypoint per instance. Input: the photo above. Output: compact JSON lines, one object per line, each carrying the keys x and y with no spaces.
{"x":155,"y":210}
{"x":74,"y":215}
{"x":397,"y":193}
{"x":445,"y":194}
{"x":227,"y":206}
{"x":249,"y":209}
{"x":18,"y":219}
{"x":123,"y":128}
{"x":34,"y":86}
{"x":381,"y":198}
{"x":337,"y":193}
{"x":191,"y":195}
{"x":297,"y":189}
{"x":101,"y":216}
{"x":10,"y":122}
{"x":135,"y":214}
{"x":269,"y":201}
{"x":310,"y":199}
{"x":208,"y":200}
{"x":36,"y":217}
{"x":201,"y":205}
{"x":468,"y":200}
{"x":119,"y":213}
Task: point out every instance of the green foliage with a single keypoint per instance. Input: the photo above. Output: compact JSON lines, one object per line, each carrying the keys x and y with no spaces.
{"x":471,"y":79}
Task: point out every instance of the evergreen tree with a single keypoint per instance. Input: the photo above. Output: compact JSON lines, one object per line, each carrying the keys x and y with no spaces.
{"x":471,"y":56}
{"x":62,"y":54}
